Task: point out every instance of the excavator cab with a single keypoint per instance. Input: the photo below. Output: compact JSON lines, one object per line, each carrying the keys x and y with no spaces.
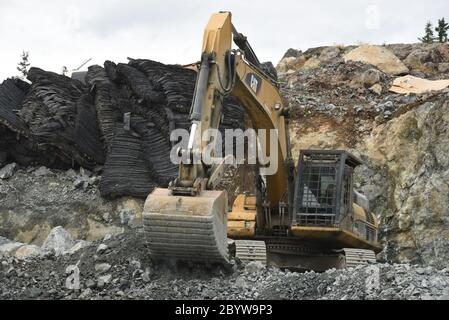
{"x":326,"y":208}
{"x":323,"y":193}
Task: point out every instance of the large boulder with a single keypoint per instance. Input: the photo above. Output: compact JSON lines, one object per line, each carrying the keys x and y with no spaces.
{"x":377,"y":56}
{"x":427,"y":58}
{"x":59,"y":241}
{"x":8,"y":247}
{"x":410,"y":84}
{"x":18,"y":250}
{"x":290,"y":64}
{"x":417,"y":58}
{"x":27,"y":251}
{"x":8,"y":171}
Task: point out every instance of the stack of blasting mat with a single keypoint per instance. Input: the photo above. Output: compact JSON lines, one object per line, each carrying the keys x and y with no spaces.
{"x":62,"y":123}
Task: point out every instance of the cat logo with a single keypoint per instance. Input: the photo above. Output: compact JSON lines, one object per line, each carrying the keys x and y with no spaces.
{"x":253,"y":81}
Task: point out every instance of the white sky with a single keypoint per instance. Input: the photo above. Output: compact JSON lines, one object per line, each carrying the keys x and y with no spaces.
{"x":58,"y":33}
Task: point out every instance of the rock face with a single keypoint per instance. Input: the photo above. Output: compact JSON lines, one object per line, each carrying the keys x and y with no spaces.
{"x":34,"y":201}
{"x":377,"y":56}
{"x":414,"y":148}
{"x":403,"y":139}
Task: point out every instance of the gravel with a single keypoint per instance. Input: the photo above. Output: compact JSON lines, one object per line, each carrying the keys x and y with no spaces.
{"x":123,"y":269}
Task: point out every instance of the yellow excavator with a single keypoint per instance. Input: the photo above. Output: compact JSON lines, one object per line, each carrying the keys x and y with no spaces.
{"x":306,"y":218}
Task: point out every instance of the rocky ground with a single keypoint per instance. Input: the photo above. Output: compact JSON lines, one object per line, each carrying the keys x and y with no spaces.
{"x":119,"y":267}
{"x":33,"y":200}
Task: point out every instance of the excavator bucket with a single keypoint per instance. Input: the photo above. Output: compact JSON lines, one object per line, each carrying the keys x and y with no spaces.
{"x":189,"y":228}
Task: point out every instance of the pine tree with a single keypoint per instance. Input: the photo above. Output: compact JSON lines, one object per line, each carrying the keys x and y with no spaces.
{"x":23,"y":65}
{"x":442,"y":30}
{"x":428,"y":37}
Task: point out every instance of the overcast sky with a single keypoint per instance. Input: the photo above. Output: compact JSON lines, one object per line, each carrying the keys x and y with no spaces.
{"x":65,"y":33}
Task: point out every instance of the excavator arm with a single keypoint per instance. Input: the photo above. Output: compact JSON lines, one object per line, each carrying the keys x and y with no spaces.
{"x":188,"y":221}
{"x":223,"y":72}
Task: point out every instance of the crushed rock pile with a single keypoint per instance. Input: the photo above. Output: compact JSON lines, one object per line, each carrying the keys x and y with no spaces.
{"x":119,"y":267}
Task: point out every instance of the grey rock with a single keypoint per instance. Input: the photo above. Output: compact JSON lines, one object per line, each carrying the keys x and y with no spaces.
{"x":10,"y":247}
{"x":80,"y":244}
{"x":4,"y":240}
{"x":27,"y":251}
{"x":107,"y":237}
{"x":100,"y":284}
{"x":8,"y":171}
{"x":102,"y":267}
{"x":80,"y":183}
{"x":146,"y":275}
{"x":58,"y":241}
{"x":359,"y":108}
{"x":371,"y":77}
{"x":420,"y":270}
{"x":443,"y":67}
{"x":90,"y":284}
{"x":240,"y":282}
{"x":102,"y":248}
{"x":33,"y":292}
{"x":105,"y":279}
{"x":330,"y":107}
{"x":416,"y":58}
{"x":71,"y":173}
{"x":135,"y":264}
{"x":124,"y":283}
{"x":292,"y":53}
{"x":85,"y":294}
{"x":254,"y":266}
{"x":41,"y":171}
{"x":127,"y":217}
{"x":85,"y":172}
